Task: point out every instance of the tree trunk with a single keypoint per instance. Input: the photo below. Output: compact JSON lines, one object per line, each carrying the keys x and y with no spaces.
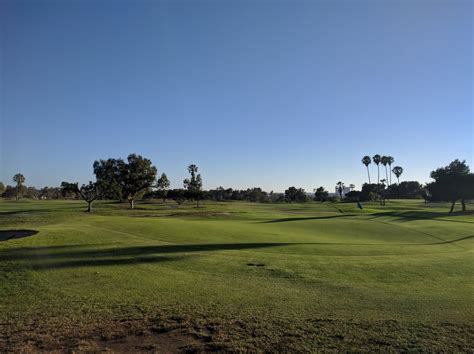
{"x":452,"y":206}
{"x":368,"y":173}
{"x":89,"y":207}
{"x":378,"y":174}
{"x":132,"y":204}
{"x":463,"y":203}
{"x":398,"y":179}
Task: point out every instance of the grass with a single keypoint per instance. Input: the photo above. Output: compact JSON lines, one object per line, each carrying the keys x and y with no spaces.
{"x":237,"y":276}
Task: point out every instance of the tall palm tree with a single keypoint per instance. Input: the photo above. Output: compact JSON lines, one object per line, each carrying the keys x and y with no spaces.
{"x":384,"y":161}
{"x":397,"y":171}
{"x":340,"y":188}
{"x":390,"y":160}
{"x":366,"y":161}
{"x":19,"y":179}
{"x":376,"y":160}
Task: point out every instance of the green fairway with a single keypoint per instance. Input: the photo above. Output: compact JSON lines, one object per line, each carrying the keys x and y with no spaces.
{"x":237,"y":276}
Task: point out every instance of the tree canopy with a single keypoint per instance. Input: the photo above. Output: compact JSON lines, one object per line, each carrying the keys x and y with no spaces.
{"x":19,"y":179}
{"x":124,"y":180}
{"x":320,"y":194}
{"x":293,"y":194}
{"x":452,"y":183}
{"x":193,"y":185}
{"x":163,"y":184}
{"x":88,"y":192}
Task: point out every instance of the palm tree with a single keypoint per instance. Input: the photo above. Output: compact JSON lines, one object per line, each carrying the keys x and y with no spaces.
{"x":397,"y":171}
{"x":376,"y":160}
{"x":390,"y":160}
{"x":340,"y":188}
{"x":19,"y":179}
{"x":384,"y":161}
{"x":366,"y":161}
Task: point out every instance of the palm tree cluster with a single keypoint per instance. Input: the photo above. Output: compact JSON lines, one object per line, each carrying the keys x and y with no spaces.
{"x":385,"y":161}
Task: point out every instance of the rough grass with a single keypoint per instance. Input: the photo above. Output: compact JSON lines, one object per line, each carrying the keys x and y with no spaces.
{"x":236,"y":276}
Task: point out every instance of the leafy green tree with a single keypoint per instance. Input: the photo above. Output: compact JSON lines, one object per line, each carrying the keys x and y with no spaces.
{"x":107,"y":174}
{"x":255,"y":194}
{"x":451,"y":183}
{"x":193,"y":185}
{"x":293,"y":194}
{"x":406,"y":190}
{"x":370,"y":192}
{"x":19,"y":179}
{"x":135,"y":176}
{"x":320,"y":194}
{"x":31,"y":193}
{"x":377,"y":159}
{"x":366,"y":161}
{"x":88,"y":192}
{"x":178,"y":195}
{"x":10,"y":192}
{"x":54,"y":193}
{"x":397,"y":171}
{"x":163,"y":185}
{"x":2,"y":188}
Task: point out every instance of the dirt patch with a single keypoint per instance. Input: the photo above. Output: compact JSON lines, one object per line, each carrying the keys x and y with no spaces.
{"x":177,"y":334}
{"x":170,"y":342}
{"x":115,"y":336}
{"x":6,"y":235}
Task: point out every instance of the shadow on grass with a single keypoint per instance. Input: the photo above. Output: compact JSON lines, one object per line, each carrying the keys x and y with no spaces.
{"x":306,"y":218}
{"x":405,"y":216}
{"x":76,"y":256}
{"x":44,"y":258}
{"x":452,"y":241}
{"x":15,"y":212}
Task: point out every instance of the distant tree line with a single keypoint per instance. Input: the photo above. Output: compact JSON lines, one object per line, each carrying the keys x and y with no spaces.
{"x":136,"y":178}
{"x":374,"y":192}
{"x":221,"y":194}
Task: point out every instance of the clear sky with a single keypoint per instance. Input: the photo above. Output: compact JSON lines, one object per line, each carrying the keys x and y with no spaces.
{"x":256,"y":93}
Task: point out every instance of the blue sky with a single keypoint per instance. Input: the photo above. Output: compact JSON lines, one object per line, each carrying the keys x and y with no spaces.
{"x":256,"y":93}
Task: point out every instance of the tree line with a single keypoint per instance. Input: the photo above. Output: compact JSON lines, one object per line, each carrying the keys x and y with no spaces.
{"x":136,"y":178}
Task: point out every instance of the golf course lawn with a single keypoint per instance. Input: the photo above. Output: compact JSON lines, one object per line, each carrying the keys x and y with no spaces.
{"x":236,"y":276}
